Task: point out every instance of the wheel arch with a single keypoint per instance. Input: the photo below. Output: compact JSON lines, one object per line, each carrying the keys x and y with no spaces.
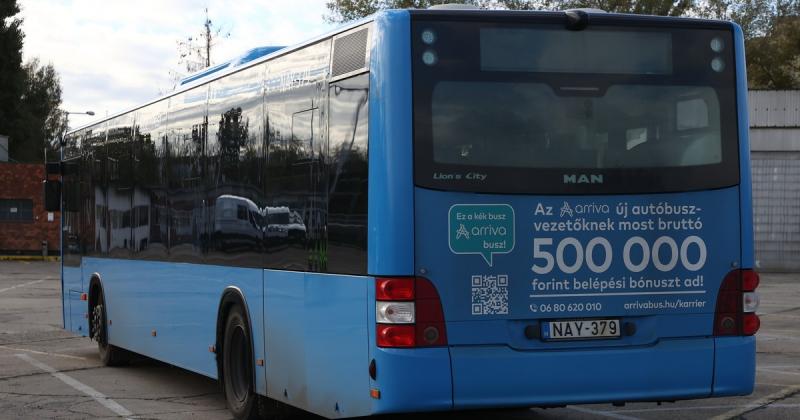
{"x":231,"y":296}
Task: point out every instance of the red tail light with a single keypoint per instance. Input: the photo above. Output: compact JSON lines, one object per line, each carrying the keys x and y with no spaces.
{"x":395,"y":288}
{"x":390,"y":335}
{"x":730,"y":317}
{"x":427,"y":326}
{"x":750,"y":324}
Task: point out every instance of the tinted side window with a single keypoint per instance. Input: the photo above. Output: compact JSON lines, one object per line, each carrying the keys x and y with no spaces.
{"x":151,"y":215}
{"x":119,"y":149}
{"x":296,"y":210}
{"x":235,"y":166}
{"x":187,"y":127}
{"x":94,"y":192}
{"x":347,"y":208}
{"x":71,"y":196}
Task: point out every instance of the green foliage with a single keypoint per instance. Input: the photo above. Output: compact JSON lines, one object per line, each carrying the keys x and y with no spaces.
{"x":347,"y":10}
{"x":40,"y":119}
{"x":11,"y":75}
{"x":773,"y":60}
{"x":30,"y":94}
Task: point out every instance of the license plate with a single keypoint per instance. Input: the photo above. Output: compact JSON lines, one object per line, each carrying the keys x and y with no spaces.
{"x":580,"y":329}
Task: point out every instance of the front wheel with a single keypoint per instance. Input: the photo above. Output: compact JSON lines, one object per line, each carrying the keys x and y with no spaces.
{"x":110,"y":355}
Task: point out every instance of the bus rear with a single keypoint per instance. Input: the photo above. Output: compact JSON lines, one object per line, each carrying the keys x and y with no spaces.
{"x":581,"y":210}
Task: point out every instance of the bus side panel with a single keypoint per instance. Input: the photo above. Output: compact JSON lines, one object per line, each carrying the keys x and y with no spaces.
{"x":74,"y":308}
{"x":734,"y":366}
{"x":745,"y":188}
{"x":391,"y":180}
{"x":316,"y":341}
{"x":179,"y":302}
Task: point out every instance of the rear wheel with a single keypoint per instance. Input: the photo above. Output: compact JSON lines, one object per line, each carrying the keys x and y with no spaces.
{"x":237,"y":368}
{"x":110,"y":355}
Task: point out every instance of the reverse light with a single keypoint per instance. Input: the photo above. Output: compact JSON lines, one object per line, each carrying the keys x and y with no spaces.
{"x":394,"y":312}
{"x":750,"y":302}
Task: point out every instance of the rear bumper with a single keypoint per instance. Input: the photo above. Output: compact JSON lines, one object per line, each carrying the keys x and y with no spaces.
{"x":499,"y":376}
{"x":735,"y":366}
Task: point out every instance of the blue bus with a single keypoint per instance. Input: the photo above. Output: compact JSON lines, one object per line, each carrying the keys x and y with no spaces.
{"x":431,"y":210}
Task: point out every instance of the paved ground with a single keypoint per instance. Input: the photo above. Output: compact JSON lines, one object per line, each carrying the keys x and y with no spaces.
{"x":48,"y":373}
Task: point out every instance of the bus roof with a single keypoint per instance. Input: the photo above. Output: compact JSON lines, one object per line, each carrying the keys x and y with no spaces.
{"x":459,"y":13}
{"x":191,"y":84}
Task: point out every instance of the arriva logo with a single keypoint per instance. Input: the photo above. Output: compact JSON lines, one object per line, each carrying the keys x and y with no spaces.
{"x":583,"y":179}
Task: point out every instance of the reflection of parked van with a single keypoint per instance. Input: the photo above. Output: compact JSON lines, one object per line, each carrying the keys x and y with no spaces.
{"x":296,"y":227}
{"x":277,"y":222}
{"x":237,"y":222}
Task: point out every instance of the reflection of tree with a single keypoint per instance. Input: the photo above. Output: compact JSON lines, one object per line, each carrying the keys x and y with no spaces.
{"x":232,"y":137}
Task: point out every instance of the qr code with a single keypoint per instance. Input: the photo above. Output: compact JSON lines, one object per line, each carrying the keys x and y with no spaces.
{"x":490,"y":295}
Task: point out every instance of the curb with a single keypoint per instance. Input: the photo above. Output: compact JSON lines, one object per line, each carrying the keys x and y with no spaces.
{"x":29,"y":258}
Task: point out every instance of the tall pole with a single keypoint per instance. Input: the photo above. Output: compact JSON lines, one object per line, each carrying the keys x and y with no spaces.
{"x":208,"y":40}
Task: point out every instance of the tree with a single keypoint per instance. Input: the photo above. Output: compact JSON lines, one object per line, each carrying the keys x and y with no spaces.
{"x":30,"y":94}
{"x":773,"y":60}
{"x":194,"y":52}
{"x":347,"y":10}
{"x":11,"y":75}
{"x":39,"y":119}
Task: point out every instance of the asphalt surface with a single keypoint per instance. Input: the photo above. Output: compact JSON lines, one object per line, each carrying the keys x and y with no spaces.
{"x":46,"y":372}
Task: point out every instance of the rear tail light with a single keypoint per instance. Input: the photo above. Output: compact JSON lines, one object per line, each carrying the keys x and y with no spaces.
{"x":737,"y":303}
{"x":408,"y":313}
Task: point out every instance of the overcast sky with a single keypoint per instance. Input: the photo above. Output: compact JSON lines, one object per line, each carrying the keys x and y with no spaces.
{"x":114,"y":54}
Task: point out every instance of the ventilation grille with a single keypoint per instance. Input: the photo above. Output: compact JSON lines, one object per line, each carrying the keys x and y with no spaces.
{"x":350,"y":52}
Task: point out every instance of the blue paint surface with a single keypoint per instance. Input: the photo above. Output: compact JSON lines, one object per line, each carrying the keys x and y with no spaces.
{"x":734,"y":366}
{"x":74,"y":308}
{"x":316,"y":341}
{"x":179,"y":302}
{"x":745,"y":187}
{"x":391,"y":180}
{"x":499,"y":376}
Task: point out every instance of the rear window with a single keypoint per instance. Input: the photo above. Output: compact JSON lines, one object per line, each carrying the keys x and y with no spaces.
{"x":534,"y":108}
{"x":529,"y":126}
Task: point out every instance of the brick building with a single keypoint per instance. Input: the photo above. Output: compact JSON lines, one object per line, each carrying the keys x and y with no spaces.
{"x":24,"y":223}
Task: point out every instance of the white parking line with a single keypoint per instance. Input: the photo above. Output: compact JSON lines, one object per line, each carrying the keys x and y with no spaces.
{"x":80,"y":386}
{"x":602,"y":413}
{"x":705,"y":407}
{"x":763,"y":401}
{"x":21,"y":285}
{"x":44,"y":353}
{"x":782,"y":372}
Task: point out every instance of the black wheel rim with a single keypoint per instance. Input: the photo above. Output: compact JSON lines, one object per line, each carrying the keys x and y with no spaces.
{"x":98,"y":324}
{"x":239,"y":364}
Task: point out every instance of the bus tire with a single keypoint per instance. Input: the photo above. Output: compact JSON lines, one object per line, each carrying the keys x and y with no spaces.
{"x":110,"y":355}
{"x":237,"y":368}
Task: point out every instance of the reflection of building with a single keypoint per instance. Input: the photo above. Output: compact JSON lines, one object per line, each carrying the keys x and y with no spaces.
{"x":130,"y":225}
{"x":24,"y":224}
